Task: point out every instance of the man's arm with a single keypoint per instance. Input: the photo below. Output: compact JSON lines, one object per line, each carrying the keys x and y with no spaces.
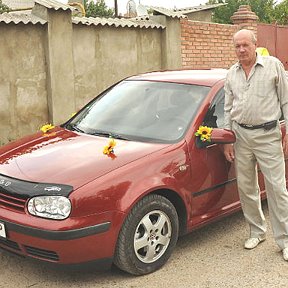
{"x":228,"y":105}
{"x":228,"y":148}
{"x":282,"y":91}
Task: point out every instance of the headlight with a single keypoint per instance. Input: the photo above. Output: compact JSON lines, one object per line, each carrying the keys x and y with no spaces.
{"x":52,"y":207}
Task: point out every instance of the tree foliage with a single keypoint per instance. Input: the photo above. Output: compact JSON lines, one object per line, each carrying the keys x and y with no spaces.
{"x":280,"y":14}
{"x":266,"y":10}
{"x":98,"y":9}
{"x":4,"y":8}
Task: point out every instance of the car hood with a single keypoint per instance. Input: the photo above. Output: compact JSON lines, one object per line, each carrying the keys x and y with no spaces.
{"x":66,"y":157}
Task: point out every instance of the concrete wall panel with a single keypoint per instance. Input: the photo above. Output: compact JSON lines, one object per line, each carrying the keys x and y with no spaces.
{"x":105,"y":55}
{"x":23,"y":100}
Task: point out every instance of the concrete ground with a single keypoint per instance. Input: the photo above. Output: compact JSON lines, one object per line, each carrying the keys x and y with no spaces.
{"x":212,"y":256}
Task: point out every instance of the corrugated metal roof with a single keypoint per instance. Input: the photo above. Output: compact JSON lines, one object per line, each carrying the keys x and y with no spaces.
{"x":21,"y":18}
{"x":52,"y":4}
{"x":19,"y":4}
{"x":168,"y":12}
{"x":181,"y":13}
{"x":118,"y":22}
{"x":198,"y":8}
{"x":26,"y":4}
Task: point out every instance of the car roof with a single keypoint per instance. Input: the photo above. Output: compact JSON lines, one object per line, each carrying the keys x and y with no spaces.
{"x":197,"y":77}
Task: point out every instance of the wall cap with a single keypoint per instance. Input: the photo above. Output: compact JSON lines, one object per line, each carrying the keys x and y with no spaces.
{"x":117,"y":22}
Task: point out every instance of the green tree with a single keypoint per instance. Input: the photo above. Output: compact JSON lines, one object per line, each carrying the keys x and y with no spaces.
{"x":4,"y":8}
{"x":98,"y":9}
{"x":264,"y":9}
{"x":280,"y":15}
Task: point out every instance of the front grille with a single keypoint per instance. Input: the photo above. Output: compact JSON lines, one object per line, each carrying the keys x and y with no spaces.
{"x":12,"y":202}
{"x":5,"y":243}
{"x":30,"y":251}
{"x":40,"y":253}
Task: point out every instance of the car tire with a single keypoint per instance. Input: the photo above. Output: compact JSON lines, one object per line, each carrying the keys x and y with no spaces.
{"x":148,"y":236}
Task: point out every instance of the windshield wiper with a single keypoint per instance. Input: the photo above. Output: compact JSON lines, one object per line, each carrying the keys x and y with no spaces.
{"x":74,"y":127}
{"x":109,"y":134}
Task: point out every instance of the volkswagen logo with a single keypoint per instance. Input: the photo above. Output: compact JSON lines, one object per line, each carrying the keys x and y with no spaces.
{"x":5,"y":183}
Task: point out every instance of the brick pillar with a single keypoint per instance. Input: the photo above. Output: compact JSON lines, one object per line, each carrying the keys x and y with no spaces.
{"x":245,"y":18}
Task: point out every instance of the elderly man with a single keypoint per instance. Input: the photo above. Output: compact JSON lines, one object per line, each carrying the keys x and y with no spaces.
{"x":256,"y":91}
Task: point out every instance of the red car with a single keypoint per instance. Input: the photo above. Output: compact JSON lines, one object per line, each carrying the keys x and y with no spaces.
{"x":123,"y":178}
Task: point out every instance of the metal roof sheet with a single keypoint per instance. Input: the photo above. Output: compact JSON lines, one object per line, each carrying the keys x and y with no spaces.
{"x":198,"y":8}
{"x":118,"y":22}
{"x":181,"y":13}
{"x":24,"y":18}
{"x":19,"y":4}
{"x":168,"y":12}
{"x":52,"y":4}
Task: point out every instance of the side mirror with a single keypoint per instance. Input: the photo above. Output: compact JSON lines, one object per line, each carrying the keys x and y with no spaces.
{"x":222,"y":136}
{"x":218,"y":136}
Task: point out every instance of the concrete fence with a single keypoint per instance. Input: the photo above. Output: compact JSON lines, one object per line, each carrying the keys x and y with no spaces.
{"x":52,"y":63}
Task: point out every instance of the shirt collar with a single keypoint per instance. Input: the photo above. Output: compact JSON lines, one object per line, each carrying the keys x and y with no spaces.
{"x":259,"y":60}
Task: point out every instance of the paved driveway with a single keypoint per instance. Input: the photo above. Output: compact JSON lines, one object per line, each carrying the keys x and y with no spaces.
{"x":210,"y":257}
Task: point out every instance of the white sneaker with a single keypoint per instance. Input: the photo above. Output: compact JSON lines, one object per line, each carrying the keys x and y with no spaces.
{"x":285,"y":253}
{"x":252,"y":243}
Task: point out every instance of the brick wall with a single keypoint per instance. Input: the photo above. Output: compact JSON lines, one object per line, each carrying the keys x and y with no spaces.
{"x":209,"y":45}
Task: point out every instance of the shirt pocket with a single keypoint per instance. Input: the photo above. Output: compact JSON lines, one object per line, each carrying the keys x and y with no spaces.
{"x":263,"y":89}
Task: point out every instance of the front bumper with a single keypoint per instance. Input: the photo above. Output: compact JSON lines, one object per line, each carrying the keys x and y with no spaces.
{"x":72,"y":241}
{"x":58,"y":235}
{"x":70,"y":247}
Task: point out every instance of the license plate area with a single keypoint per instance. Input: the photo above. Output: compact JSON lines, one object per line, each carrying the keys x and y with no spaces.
{"x":2,"y":230}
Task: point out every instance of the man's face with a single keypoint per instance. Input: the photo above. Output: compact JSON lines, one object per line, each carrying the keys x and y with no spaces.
{"x":244,"y":47}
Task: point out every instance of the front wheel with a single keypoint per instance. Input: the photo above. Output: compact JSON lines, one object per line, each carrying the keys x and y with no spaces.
{"x":148,"y":236}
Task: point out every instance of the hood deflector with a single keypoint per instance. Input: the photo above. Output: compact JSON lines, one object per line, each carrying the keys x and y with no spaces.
{"x":26,"y":189}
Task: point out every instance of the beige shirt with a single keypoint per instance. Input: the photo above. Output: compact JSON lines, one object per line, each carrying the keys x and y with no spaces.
{"x":260,"y":97}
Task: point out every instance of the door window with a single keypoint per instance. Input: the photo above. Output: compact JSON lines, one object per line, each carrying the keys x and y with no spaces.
{"x":215,"y":115}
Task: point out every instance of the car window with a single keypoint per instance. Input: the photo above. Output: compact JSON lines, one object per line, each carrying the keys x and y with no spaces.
{"x":215,"y":115}
{"x":143,"y":110}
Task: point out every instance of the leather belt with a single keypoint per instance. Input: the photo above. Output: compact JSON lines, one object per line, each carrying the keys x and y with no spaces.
{"x":266,"y":126}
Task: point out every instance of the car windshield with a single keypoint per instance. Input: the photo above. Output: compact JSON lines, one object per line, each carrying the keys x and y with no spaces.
{"x":141,"y":111}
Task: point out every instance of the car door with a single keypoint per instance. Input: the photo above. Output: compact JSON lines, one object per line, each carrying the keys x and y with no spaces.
{"x":213,"y":180}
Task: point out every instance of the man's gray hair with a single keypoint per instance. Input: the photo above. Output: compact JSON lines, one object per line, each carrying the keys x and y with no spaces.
{"x":251,"y":33}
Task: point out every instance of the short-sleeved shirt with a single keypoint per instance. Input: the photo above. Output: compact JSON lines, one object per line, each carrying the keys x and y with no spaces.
{"x":260,"y":97}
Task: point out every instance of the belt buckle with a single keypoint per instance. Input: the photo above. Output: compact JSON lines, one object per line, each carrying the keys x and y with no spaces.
{"x":249,"y":125}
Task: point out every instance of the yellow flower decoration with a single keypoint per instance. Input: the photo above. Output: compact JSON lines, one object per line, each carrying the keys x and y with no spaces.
{"x":108,"y":149}
{"x":46,"y":128}
{"x":204,"y":133}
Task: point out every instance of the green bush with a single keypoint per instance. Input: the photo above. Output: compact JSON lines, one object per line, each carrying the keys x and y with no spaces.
{"x":4,"y":8}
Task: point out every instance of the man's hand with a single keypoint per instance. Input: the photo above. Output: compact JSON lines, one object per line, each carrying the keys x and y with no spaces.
{"x":285,"y":145}
{"x":229,"y":151}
